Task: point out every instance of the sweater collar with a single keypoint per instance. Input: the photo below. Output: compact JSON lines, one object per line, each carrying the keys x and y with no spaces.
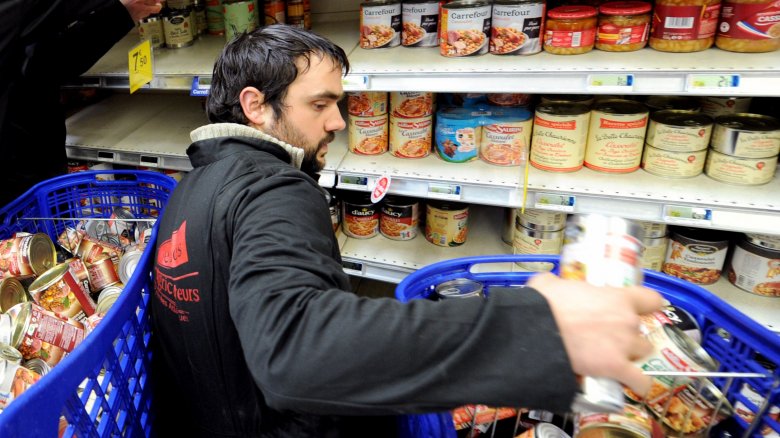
{"x":217,"y":130}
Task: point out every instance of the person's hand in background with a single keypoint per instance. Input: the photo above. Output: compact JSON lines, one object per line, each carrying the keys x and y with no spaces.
{"x":140,"y":9}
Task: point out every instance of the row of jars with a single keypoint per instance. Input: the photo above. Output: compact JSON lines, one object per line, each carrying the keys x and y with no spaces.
{"x":521,"y":27}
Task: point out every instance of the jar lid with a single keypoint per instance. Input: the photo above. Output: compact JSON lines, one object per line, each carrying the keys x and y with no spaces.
{"x":625,"y":8}
{"x":572,"y":12}
{"x":764,"y":240}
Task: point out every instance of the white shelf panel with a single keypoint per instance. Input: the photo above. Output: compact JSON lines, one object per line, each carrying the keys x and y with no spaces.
{"x":390,"y":260}
{"x":152,"y":130}
{"x":764,"y":310}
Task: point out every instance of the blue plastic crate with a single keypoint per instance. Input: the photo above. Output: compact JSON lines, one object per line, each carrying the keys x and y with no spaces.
{"x":116,"y":403}
{"x":731,"y":337}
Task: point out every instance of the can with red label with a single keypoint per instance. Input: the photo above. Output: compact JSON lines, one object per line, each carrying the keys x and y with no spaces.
{"x":616,"y":136}
{"x":673,"y":315}
{"x":26,"y":254}
{"x":399,"y":218}
{"x":360,"y":216}
{"x":40,"y":334}
{"x":749,"y":26}
{"x":102,"y":273}
{"x":59,"y":290}
{"x":368,"y":135}
{"x":684,"y":25}
{"x":90,"y":249}
{"x":411,"y":138}
{"x":560,"y":135}
{"x":367,"y":103}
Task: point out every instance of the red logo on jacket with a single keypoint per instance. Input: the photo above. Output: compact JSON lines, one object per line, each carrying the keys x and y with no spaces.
{"x":173,"y":252}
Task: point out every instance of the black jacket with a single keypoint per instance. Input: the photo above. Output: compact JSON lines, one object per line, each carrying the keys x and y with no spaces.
{"x":256,"y":335}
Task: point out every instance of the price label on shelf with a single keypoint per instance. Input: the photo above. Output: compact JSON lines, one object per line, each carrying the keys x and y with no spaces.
{"x":712,"y":82}
{"x":551,"y":201}
{"x":356,"y":182}
{"x":200,"y":86}
{"x":352,"y":267}
{"x":452,"y":192}
{"x":611,"y":82}
{"x":681,"y":215}
{"x":139,"y":63}
{"x":355,"y":82}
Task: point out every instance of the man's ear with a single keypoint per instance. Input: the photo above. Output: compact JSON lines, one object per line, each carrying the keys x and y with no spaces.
{"x":253,"y":104}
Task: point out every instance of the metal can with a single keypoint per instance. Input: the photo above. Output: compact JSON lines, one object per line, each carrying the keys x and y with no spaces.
{"x":694,"y":408}
{"x":653,"y":229}
{"x":755,"y":265}
{"x":368,"y":135}
{"x":367,"y":103}
{"x":12,"y":292}
{"x":215,"y":19}
{"x":585,"y":99}
{"x":654,"y":252}
{"x":399,"y":218}
{"x":560,"y":136}
{"x":675,"y":316}
{"x":465,"y":28}
{"x":506,"y":138}
{"x":542,"y":220}
{"x":696,"y":255}
{"x":509,"y":99}
{"x":360,"y":216}
{"x":459,"y":288}
{"x":90,"y":249}
{"x":616,"y":136}
{"x":746,"y":135}
{"x":78,"y":268}
{"x":633,"y":422}
{"x":458,"y":134}
{"x":535,"y":242}
{"x":671,"y":164}
{"x":334,"y":209}
{"x":295,"y":14}
{"x":517,"y":27}
{"x":718,"y":106}
{"x":58,"y":290}
{"x":602,"y":250}
{"x":26,"y":254}
{"x":199,"y":21}
{"x":40,"y":334}
{"x":240,"y":17}
{"x":70,"y":239}
{"x":411,"y":104}
{"x":275,"y":12}
{"x":128,"y":263}
{"x":738,"y":170}
{"x":679,"y":130}
{"x":679,"y":103}
{"x":446,"y":223}
{"x":15,"y":379}
{"x":102,"y":273}
{"x":178,"y":28}
{"x":380,"y":24}
{"x":151,"y":29}
{"x":107,"y":298}
{"x":420,"y":23}
{"x":411,"y":138}
{"x":544,"y":430}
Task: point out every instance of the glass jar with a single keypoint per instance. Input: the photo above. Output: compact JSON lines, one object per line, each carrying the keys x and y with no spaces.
{"x":684,"y":25}
{"x":749,"y":26}
{"x":570,"y":30}
{"x":623,"y":26}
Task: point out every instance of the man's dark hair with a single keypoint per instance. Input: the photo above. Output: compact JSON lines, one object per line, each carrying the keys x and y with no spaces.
{"x":265,"y":59}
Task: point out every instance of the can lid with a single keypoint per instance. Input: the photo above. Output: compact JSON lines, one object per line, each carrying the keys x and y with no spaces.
{"x":10,"y":354}
{"x":556,"y":108}
{"x":572,"y":12}
{"x":750,"y":122}
{"x":38,"y":365}
{"x":579,"y":98}
{"x":446,"y":205}
{"x":107,"y":298}
{"x":42,"y":254}
{"x":620,"y":106}
{"x":625,"y":8}
{"x":549,"y":430}
{"x":398,"y":201}
{"x":457,"y":113}
{"x":48,"y":278}
{"x":459,"y":288}
{"x":690,"y":347}
{"x":683,"y":118}
{"x":703,"y":235}
{"x":11,"y":293}
{"x":763,"y":240}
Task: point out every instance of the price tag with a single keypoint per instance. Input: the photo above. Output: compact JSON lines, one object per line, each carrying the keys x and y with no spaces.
{"x":676,"y":214}
{"x":452,"y":192}
{"x":380,"y":188}
{"x":551,"y":201}
{"x":139,"y":62}
{"x":352,"y":267}
{"x":355,"y":182}
{"x":709,"y":82}
{"x":355,"y":82}
{"x":200,"y":86}
{"x":611,"y":82}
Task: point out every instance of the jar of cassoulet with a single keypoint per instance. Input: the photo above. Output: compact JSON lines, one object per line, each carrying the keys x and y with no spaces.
{"x":623,"y":26}
{"x":570,"y":30}
{"x":684,"y":25}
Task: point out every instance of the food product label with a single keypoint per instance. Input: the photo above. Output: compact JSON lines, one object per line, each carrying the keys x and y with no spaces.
{"x":717,"y":106}
{"x":17,"y":379}
{"x":523,"y":243}
{"x":673,"y":164}
{"x":380,"y":26}
{"x":540,"y":218}
{"x":178,"y":30}
{"x":757,"y":144}
{"x":411,"y":138}
{"x":368,"y":135}
{"x":399,"y":223}
{"x":751,"y":21}
{"x":458,"y":143}
{"x":735,"y":170}
{"x":610,"y":34}
{"x":653,"y":256}
{"x":13,"y":261}
{"x":446,"y":228}
{"x":411,"y":104}
{"x":517,"y":28}
{"x":684,"y":22}
{"x":568,"y":39}
{"x":465,"y":31}
{"x":615,"y":142}
{"x":697,"y":263}
{"x":558,"y":142}
{"x":360,"y":222}
{"x":420,"y":24}
{"x":505,"y":144}
{"x":754,"y":273}
{"x":367,"y":103}
{"x":678,"y":138}
{"x":152,"y":31}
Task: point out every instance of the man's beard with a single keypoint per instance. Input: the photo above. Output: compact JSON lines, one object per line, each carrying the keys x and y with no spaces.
{"x":283,"y":131}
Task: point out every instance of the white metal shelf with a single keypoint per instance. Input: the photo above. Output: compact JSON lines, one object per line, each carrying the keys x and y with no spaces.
{"x":764,"y":310}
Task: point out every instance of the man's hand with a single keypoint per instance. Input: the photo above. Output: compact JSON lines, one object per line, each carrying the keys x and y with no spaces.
{"x":140,"y":9}
{"x":600,"y":327}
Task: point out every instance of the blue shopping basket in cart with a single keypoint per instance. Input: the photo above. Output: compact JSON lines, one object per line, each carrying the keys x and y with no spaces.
{"x":737,"y":342}
{"x":102,"y":388}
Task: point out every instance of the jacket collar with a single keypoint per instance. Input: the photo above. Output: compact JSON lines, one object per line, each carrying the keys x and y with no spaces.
{"x":215,"y":131}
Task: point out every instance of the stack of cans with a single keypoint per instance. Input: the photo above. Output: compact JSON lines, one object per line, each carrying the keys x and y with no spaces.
{"x":538,"y":232}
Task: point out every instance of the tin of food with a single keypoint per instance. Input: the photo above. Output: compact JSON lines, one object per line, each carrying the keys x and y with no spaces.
{"x":544,"y":430}
{"x":535,"y":242}
{"x":459,"y":288}
{"x":616,"y":136}
{"x":102,"y":273}
{"x":632,"y":422}
{"x":458,"y":134}
{"x":59,"y":290}
{"x":694,"y":408}
{"x":360,"y":216}
{"x":15,"y":379}
{"x":420,"y":22}
{"x":465,"y":28}
{"x":128,"y":263}
{"x":39,"y":366}
{"x":380,"y":24}
{"x":399,"y":218}
{"x":560,"y":135}
{"x":24,"y":255}
{"x":746,"y":135}
{"x":12,"y":292}
{"x":754,"y":267}
{"x":446,"y":223}
{"x":738,"y":170}
{"x":38,"y":333}
{"x":696,"y":255}
{"x":679,"y":130}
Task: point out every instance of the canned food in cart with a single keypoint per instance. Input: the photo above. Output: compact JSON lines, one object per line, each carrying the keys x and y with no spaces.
{"x":40,"y":334}
{"x":59,"y":290}
{"x":26,"y":254}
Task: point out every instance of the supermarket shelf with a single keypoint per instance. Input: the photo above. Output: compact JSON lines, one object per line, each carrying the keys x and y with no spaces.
{"x":764,"y":310}
{"x":384,"y":259}
{"x":152,"y":130}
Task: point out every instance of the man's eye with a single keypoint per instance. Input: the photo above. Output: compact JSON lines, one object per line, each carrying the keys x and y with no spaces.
{"x":320,"y":106}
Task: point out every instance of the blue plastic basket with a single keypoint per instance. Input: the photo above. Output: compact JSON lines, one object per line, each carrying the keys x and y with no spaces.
{"x":731,"y":337}
{"x":116,"y":403}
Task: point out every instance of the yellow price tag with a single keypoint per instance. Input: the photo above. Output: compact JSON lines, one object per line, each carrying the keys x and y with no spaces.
{"x":139,"y":62}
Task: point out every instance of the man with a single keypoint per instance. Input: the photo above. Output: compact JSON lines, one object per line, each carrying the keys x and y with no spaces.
{"x":256,"y":336}
{"x":44,"y":43}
